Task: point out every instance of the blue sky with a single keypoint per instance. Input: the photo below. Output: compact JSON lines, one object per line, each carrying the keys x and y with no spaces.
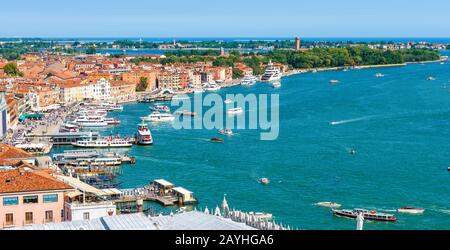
{"x":225,"y":18}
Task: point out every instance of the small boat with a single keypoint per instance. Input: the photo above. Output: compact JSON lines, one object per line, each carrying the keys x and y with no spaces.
{"x":431,"y":78}
{"x":334,"y":81}
{"x":411,"y":210}
{"x":264,"y":181}
{"x":212,"y":87}
{"x":234,"y":111}
{"x":379,"y":75}
{"x":217,"y":140}
{"x":186,"y":113}
{"x":276,"y":84}
{"x":368,"y":215}
{"x":160,"y":108}
{"x":228,"y":101}
{"x":158,"y":117}
{"x":329,"y":204}
{"x":352,"y":152}
{"x":226,"y":131}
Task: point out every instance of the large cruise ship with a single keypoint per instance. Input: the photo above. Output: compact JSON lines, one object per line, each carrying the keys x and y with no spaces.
{"x":271,"y":74}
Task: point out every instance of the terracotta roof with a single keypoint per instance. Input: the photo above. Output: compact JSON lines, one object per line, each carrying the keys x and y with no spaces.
{"x":21,"y":180}
{"x":9,"y":152}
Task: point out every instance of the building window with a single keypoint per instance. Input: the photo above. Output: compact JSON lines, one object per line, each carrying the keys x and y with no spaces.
{"x":48,"y":216}
{"x":29,"y":218}
{"x":49,"y":198}
{"x":9,"y":219}
{"x":8,"y":201}
{"x":86,"y":216}
{"x":30,"y":199}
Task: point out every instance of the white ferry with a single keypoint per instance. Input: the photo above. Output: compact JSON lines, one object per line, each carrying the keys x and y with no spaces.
{"x":91,"y":121}
{"x":158,"y":117}
{"x":111,"y":106}
{"x":368,"y":215}
{"x":105,"y":143}
{"x":249,"y":80}
{"x":271,"y":74}
{"x":234,"y":111}
{"x":144,"y":135}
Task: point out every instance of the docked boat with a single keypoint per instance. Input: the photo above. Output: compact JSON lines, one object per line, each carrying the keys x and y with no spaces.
{"x":217,"y":140}
{"x":111,"y":106}
{"x":105,"y":143}
{"x":329,"y":204}
{"x":158,"y":117}
{"x":368,"y":215}
{"x":68,"y":127}
{"x":96,"y":162}
{"x":234,"y":111}
{"x":226,"y":131}
{"x":112,"y":121}
{"x":160,"y":108}
{"x":91,"y":121}
{"x":211,"y":87}
{"x":276,"y":84}
{"x":249,"y":80}
{"x":271,"y":73}
{"x":411,"y":210}
{"x":144,"y":135}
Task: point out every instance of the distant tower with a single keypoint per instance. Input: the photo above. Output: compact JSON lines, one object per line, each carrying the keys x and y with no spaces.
{"x":225,"y":204}
{"x":297,"y":43}
{"x":222,"y":51}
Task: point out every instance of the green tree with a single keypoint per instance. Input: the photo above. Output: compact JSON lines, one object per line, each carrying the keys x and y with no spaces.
{"x":237,"y":73}
{"x":91,"y":50}
{"x":12,"y":70}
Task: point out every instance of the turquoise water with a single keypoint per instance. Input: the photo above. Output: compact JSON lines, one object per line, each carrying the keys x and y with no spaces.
{"x":398,"y":124}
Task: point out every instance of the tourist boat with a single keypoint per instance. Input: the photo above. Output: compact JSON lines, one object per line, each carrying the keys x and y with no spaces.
{"x":160,"y":108}
{"x":411,"y":210}
{"x":249,"y":80}
{"x":211,"y":87}
{"x":158,"y":117}
{"x":379,"y":75}
{"x":105,"y":143}
{"x":93,"y":112}
{"x":91,"y":121}
{"x":329,"y":204}
{"x":226,"y":131}
{"x":68,"y":127}
{"x":144,"y":135}
{"x":217,"y":140}
{"x":234,"y":111}
{"x":334,"y":81}
{"x":271,"y":73}
{"x":111,"y":106}
{"x":228,"y":101}
{"x":368,"y":215}
{"x":264,"y":181}
{"x":276,"y":84}
{"x":96,"y":162}
{"x":186,"y":113}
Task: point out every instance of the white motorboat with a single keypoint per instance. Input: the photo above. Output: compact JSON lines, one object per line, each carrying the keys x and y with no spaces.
{"x":264,"y":181}
{"x":212,"y":87}
{"x":276,"y":85}
{"x":234,"y":111}
{"x":228,"y":101}
{"x":249,"y":80}
{"x":160,"y":108}
{"x":329,"y":204}
{"x":158,"y":117}
{"x":379,"y":75}
{"x":334,"y":81}
{"x":226,"y":131}
{"x":271,"y":74}
{"x":431,"y":78}
{"x":105,"y":143}
{"x":144,"y":135}
{"x":411,"y":210}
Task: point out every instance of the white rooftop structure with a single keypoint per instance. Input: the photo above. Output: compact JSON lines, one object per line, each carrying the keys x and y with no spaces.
{"x":163,"y":183}
{"x":184,"y":221}
{"x":182,"y":190}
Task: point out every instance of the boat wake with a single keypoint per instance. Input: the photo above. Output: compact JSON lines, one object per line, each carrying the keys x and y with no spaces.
{"x":365,"y":118}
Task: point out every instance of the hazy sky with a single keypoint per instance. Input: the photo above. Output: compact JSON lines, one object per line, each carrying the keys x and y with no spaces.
{"x":225,"y":18}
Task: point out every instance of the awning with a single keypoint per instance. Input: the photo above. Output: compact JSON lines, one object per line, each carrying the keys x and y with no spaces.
{"x":112,"y":191}
{"x":73,"y":194}
{"x":81,"y":186}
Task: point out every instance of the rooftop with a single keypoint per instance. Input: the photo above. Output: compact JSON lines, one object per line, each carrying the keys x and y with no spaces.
{"x":21,"y":180}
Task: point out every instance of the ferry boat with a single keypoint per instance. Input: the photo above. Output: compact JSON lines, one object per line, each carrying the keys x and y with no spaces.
{"x":158,"y":117}
{"x":160,"y":108}
{"x":94,"y":162}
{"x":234,"y":111}
{"x":329,"y":204}
{"x":111,"y":106}
{"x":249,"y":80}
{"x":411,"y":210}
{"x":368,"y":215}
{"x":226,"y":131}
{"x":276,"y":85}
{"x":271,"y":74}
{"x":68,"y":127}
{"x":91,"y":121}
{"x":105,"y":143}
{"x":144,"y":135}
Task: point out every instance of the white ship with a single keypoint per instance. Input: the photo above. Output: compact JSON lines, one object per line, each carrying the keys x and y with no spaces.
{"x":144,"y":135}
{"x":249,"y":80}
{"x":158,"y":117}
{"x":105,"y":143}
{"x":91,"y":121}
{"x":160,"y":108}
{"x":211,"y":87}
{"x":271,"y":74}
